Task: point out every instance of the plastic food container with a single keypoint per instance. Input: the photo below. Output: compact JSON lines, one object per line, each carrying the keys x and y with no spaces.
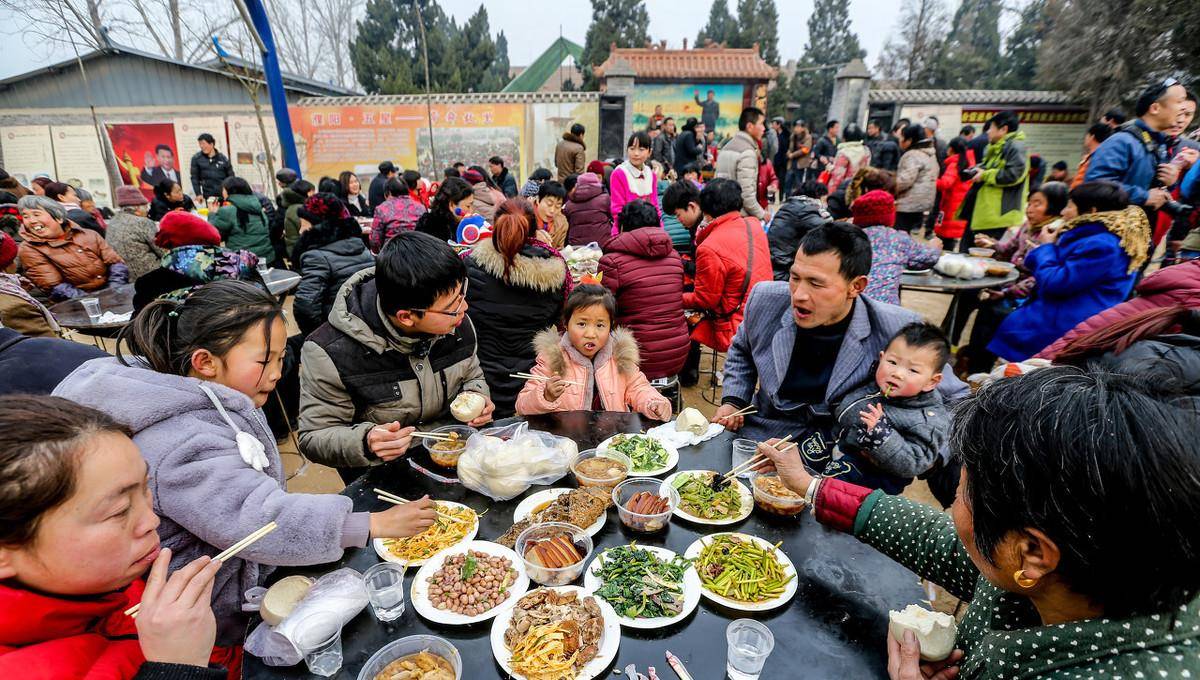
{"x":560,"y":576}
{"x":783,"y":504}
{"x":600,"y":480}
{"x":981,"y":252}
{"x":408,"y":646}
{"x":449,"y":458}
{"x":640,"y":522}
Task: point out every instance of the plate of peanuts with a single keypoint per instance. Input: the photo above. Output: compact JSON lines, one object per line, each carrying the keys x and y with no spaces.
{"x":469,"y":583}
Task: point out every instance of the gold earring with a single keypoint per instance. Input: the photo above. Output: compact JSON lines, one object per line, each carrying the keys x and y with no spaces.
{"x":1023,"y":580}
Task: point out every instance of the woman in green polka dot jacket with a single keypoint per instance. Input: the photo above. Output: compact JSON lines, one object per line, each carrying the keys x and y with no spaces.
{"x":1075,"y":536}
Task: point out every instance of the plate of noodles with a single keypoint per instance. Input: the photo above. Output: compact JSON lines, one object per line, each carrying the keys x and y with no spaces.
{"x":562,"y":632}
{"x":413,"y":551}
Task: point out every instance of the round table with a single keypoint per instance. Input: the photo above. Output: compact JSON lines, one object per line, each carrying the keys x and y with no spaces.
{"x":835,"y":626}
{"x":933,"y":282}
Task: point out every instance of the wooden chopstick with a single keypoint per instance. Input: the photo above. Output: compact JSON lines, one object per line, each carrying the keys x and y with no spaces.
{"x":396,"y":500}
{"x":744,"y":411}
{"x":438,"y":436}
{"x":757,"y":458}
{"x":543,"y":378}
{"x":224,"y":555}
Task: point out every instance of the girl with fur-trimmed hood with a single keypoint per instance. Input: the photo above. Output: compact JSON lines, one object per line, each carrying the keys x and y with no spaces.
{"x":592,"y":366}
{"x":516,"y":287}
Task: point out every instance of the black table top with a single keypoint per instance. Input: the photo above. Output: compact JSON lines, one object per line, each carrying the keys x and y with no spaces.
{"x":935,"y":282}
{"x":835,"y":626}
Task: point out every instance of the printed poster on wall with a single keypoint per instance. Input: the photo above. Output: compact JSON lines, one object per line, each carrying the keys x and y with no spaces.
{"x":146,"y":154}
{"x":79,"y":161}
{"x":28,"y":152}
{"x":1055,"y":135}
{"x":186,"y":132}
{"x":249,"y":155}
{"x":549,"y":122}
{"x":717,"y":106}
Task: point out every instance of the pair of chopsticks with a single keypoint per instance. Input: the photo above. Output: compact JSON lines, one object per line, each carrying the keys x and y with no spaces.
{"x":543,"y":378}
{"x":396,"y":500}
{"x":224,"y":555}
{"x":757,"y":459}
{"x":745,"y":411}
{"x":437,"y":436}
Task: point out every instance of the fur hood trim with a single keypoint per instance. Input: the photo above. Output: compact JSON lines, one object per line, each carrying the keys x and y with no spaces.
{"x":548,"y":344}
{"x":545,"y":272}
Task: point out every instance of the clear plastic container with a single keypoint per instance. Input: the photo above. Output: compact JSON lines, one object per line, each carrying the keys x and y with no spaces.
{"x":981,"y":252}
{"x":408,"y":646}
{"x":645,"y":523}
{"x":559,"y":576}
{"x":449,"y":458}
{"x":777,"y":503}
{"x":600,"y":480}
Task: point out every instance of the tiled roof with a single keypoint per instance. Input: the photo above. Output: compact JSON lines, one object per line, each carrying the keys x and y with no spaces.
{"x":971,"y":96}
{"x":728,"y":63}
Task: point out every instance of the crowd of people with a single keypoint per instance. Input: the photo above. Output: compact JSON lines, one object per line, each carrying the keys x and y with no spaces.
{"x":783,"y":250}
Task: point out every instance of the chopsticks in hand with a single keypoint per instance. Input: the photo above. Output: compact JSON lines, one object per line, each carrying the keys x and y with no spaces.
{"x":757,"y":459}
{"x":744,"y":411}
{"x":224,"y":555}
{"x":396,"y":500}
{"x":543,"y":378}
{"x":437,"y":436}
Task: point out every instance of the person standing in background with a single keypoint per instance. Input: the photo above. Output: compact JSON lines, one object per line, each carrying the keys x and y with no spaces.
{"x":503,"y":178}
{"x":710,"y":109}
{"x":885,"y":153}
{"x":825,"y":149}
{"x":1092,"y":140}
{"x":569,"y":158}
{"x":779,"y":158}
{"x":375,"y":193}
{"x":799,"y":158}
{"x":689,"y":146}
{"x":739,"y":159}
{"x":210,"y":168}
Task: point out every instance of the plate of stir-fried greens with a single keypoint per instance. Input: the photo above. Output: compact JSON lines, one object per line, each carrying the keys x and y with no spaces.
{"x":648,"y":586}
{"x":651,"y":457}
{"x":705,"y":498}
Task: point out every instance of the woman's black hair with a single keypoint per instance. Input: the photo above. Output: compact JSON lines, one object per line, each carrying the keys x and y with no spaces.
{"x":637,"y":214}
{"x":642,"y":138}
{"x":1101,"y":195}
{"x":215,"y":317}
{"x":852,"y":133}
{"x":552,"y":190}
{"x":540,"y":175}
{"x":1105,"y":465}
{"x":453,"y":190}
{"x":163,"y":189}
{"x":412,"y":178}
{"x":343,"y":191}
{"x":569,"y":182}
{"x":957,"y":145}
{"x":329,"y":185}
{"x":415,"y":269}
{"x":487,"y":177}
{"x":1056,"y":197}
{"x":235,"y":186}
{"x":589,"y":295}
{"x":914,"y":133}
{"x":812,"y":189}
{"x":303,"y":187}
{"x":395,"y":187}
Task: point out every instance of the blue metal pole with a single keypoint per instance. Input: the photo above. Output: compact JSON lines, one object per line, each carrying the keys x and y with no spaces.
{"x":279,"y":104}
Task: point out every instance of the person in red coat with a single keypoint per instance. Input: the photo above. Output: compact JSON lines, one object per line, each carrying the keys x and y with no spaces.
{"x":645,"y":274}
{"x":77,"y":532}
{"x":953,"y":189}
{"x":731,"y":257}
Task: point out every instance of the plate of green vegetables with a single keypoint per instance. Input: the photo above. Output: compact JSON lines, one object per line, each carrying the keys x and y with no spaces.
{"x":703,"y":502}
{"x":743,"y":572}
{"x":651,"y":457}
{"x":648,"y":586}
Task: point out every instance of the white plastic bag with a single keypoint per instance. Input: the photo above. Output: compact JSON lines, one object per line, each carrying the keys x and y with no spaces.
{"x":503,"y":462}
{"x":333,"y":600}
{"x":583,"y":259}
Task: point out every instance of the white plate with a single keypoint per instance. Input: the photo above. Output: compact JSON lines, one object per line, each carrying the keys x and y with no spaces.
{"x":419,"y":593}
{"x":386,"y":555}
{"x":672,"y":455}
{"x":917,"y":272}
{"x":691,"y":591}
{"x":747,"y":502}
{"x":525,"y":508}
{"x":610,"y":641}
{"x":667,"y":433}
{"x":789,"y":590}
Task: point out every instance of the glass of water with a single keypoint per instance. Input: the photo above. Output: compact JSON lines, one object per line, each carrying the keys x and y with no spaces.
{"x":750,"y":643}
{"x":743,"y":450}
{"x":319,"y":637}
{"x":91,"y":305}
{"x":385,"y":590}
{"x":263,"y":268}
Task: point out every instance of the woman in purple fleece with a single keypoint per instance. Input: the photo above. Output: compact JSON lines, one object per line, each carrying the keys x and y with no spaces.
{"x":206,"y":362}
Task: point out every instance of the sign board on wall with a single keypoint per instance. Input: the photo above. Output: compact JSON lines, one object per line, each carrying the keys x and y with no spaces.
{"x":79,"y":162}
{"x":146,"y":154}
{"x":690,"y":100}
{"x":249,"y":155}
{"x":28,"y":152}
{"x":550,"y":121}
{"x":1055,"y":135}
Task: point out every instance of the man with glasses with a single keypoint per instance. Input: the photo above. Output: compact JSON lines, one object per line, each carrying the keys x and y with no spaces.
{"x":396,"y":350}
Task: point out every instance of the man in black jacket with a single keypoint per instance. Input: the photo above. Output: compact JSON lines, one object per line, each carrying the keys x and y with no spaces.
{"x":375,"y":193}
{"x":689,"y":145}
{"x":885,"y":153}
{"x":209,"y":169}
{"x":36,"y":365}
{"x":825,"y":148}
{"x":798,"y":215}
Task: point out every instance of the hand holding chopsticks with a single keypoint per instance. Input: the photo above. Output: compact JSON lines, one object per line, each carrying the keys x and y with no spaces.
{"x":542,"y":378}
{"x":758,"y":459}
{"x":733,"y":420}
{"x":397,"y":500}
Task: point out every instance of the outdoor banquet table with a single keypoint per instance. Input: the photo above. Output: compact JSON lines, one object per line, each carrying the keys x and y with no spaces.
{"x":933,"y":282}
{"x":835,"y":626}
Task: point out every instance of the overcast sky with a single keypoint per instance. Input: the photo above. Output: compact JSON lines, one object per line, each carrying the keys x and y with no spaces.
{"x":532,"y":25}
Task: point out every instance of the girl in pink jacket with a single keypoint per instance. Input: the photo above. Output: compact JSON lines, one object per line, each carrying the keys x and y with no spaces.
{"x":633,"y":180}
{"x":591,"y":366}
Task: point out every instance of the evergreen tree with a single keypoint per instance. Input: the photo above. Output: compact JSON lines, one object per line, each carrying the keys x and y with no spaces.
{"x":909,"y":58}
{"x":758,"y":22}
{"x":1019,"y":66}
{"x":500,"y":67}
{"x":971,"y":58}
{"x":721,"y":26}
{"x":622,"y":22}
{"x":381,"y":66}
{"x":831,"y":43}
{"x":477,"y":51}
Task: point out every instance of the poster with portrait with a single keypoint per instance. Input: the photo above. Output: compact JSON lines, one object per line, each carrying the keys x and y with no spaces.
{"x":79,"y":161}
{"x":145,"y":153}
{"x":717,"y":106}
{"x":28,"y":152}
{"x":187,"y":130}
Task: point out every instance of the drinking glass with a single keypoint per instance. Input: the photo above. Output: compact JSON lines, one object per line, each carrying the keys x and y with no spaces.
{"x":743,"y":450}
{"x":91,"y":305}
{"x":322,"y":650}
{"x":385,"y":590}
{"x":263,"y":268}
{"x":750,"y":643}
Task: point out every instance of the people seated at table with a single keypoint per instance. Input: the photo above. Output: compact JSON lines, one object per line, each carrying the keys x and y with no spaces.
{"x":68,"y":198}
{"x":892,"y":250}
{"x":168,"y":198}
{"x":548,"y":212}
{"x":196,"y":373}
{"x":293,"y":200}
{"x":241,"y":220}
{"x":894,"y":427}
{"x":332,"y":251}
{"x":645,"y":274}
{"x":399,"y":212}
{"x":1036,"y":539}
{"x":488,"y":196}
{"x":517,"y":284}
{"x":19,"y":310}
{"x":396,"y":351}
{"x":587,"y":212}
{"x":826,"y":329}
{"x":178,"y":229}
{"x":62,"y":259}
{"x":452,"y":202}
{"x":1088,"y":265}
{"x":801,"y":212}
{"x":592,"y":365}
{"x":132,"y":234}
{"x":78,"y":547}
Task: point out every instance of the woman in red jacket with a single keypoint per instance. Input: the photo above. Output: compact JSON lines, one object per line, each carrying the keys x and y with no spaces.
{"x":645,"y":274}
{"x":953,"y":190}
{"x":77,"y":532}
